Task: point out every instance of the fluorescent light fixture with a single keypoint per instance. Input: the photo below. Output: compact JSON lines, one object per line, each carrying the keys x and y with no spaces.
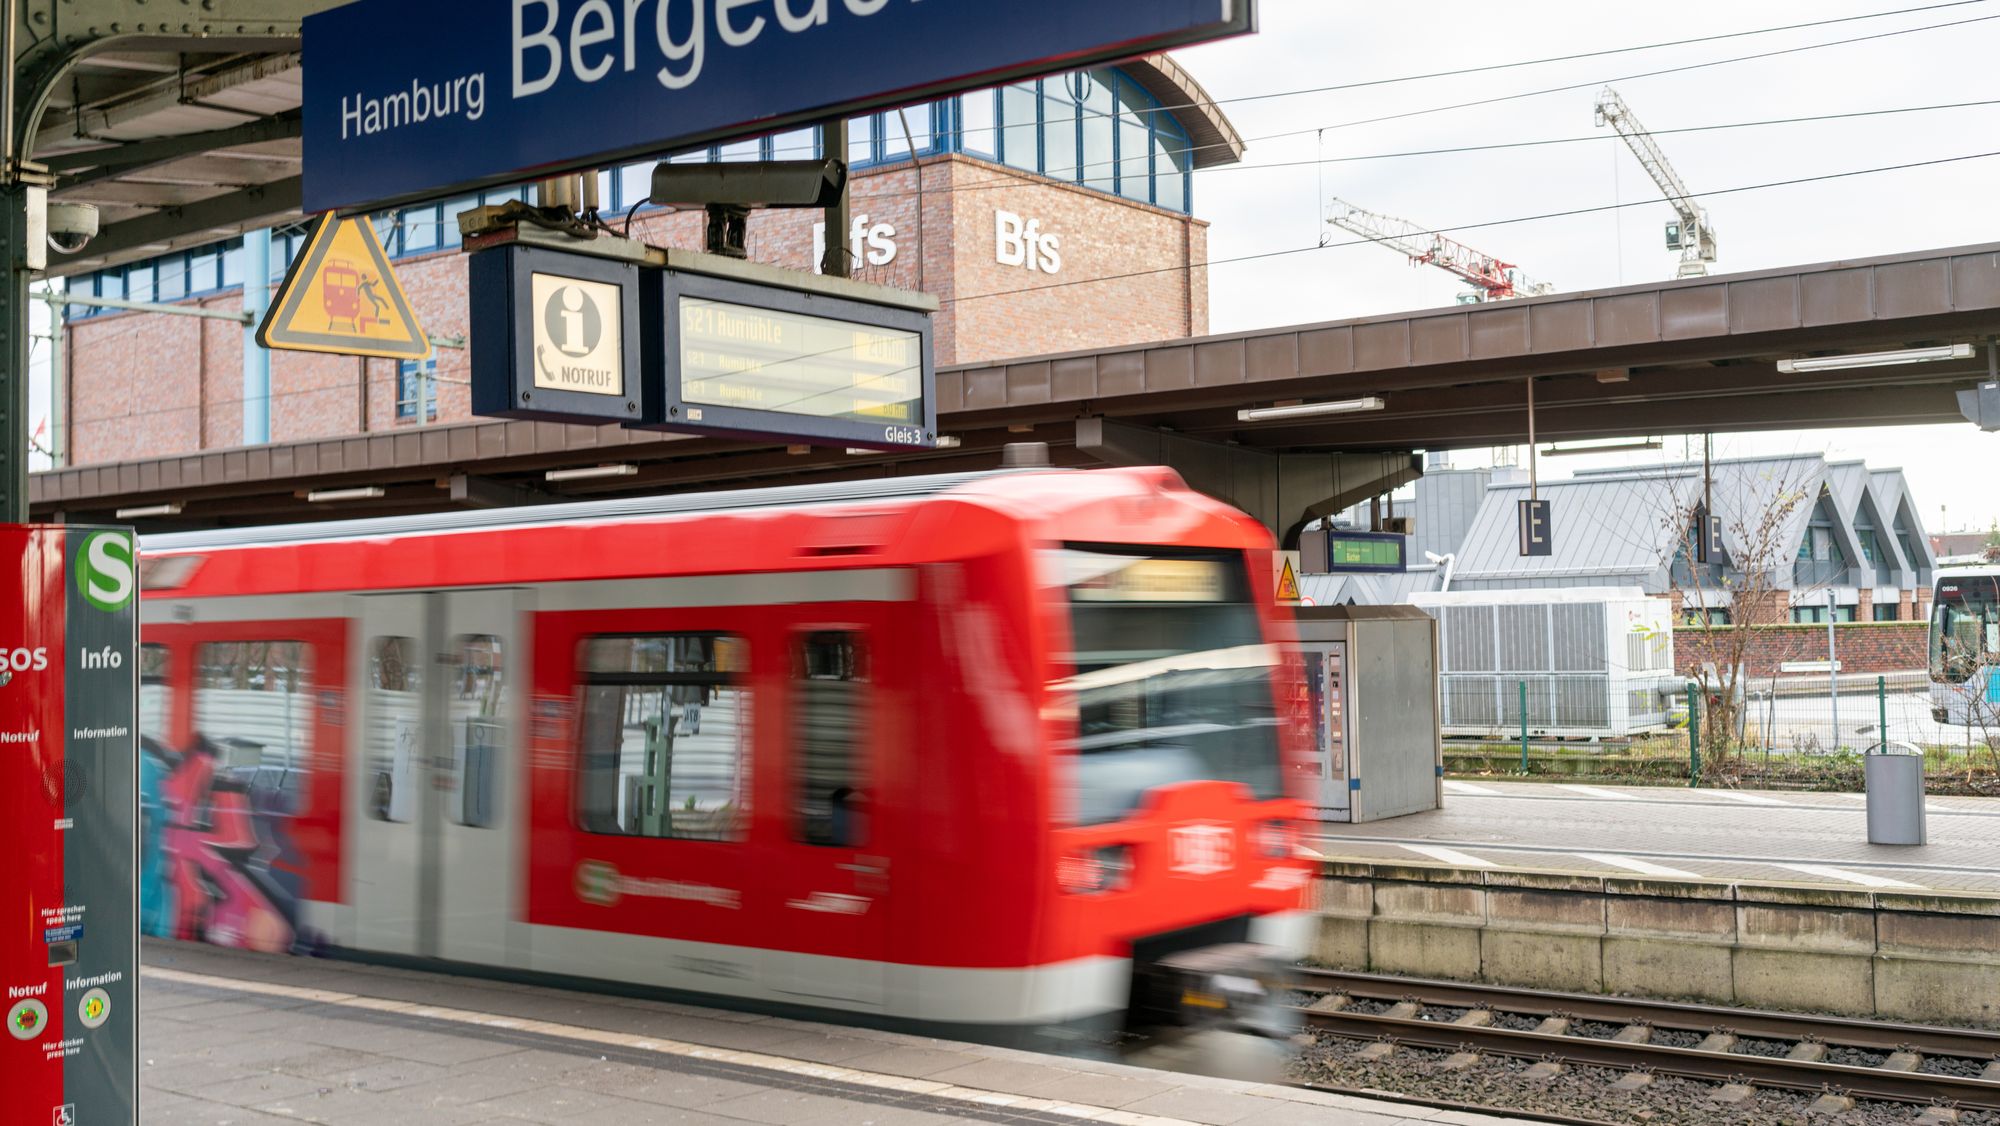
{"x":149,"y":510}
{"x":1309,"y":410}
{"x":1611,"y":448}
{"x":365,"y":492}
{"x":587,"y":472}
{"x":1805,"y":364}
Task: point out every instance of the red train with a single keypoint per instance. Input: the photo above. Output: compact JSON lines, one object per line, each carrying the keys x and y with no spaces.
{"x":988,"y":754}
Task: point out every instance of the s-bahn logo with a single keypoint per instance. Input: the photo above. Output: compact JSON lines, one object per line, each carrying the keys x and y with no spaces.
{"x":1201,"y":850}
{"x":106,"y":571}
{"x":597,"y":883}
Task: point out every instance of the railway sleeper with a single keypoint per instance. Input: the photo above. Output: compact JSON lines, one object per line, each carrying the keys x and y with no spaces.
{"x":1634,"y":1034}
{"x":1992,"y":1072}
{"x":1553,"y":1026}
{"x":1633,"y":1081}
{"x":1404,"y":1010}
{"x":1730,"y":1094}
{"x":1717,"y":1041}
{"x":1903,"y":1059}
{"x":1460,"y":1061}
{"x":1330,"y":1003}
{"x":1475,"y":1018}
{"x":1830,"y":1103}
{"x":1938,"y":1116}
{"x":1807,"y":1051}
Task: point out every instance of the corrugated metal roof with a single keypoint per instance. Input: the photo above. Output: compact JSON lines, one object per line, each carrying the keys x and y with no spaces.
{"x":1608,"y":528}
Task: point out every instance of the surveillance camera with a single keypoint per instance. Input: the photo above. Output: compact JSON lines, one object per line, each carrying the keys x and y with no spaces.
{"x":71,"y":226}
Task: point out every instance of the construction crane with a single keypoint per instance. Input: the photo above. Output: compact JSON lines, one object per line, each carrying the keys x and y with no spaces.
{"x":1490,"y":278}
{"x":1691,"y":235}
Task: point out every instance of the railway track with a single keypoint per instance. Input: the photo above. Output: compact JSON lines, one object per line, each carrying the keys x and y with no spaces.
{"x":1739,"y":1050}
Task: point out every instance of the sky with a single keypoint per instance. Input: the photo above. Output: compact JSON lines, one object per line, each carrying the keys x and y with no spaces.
{"x":1261,"y":205}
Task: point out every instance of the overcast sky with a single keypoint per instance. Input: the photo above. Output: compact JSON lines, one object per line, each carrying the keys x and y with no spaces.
{"x":1312,"y":43}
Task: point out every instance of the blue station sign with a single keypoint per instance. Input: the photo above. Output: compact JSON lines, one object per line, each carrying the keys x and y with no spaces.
{"x":500,"y":90}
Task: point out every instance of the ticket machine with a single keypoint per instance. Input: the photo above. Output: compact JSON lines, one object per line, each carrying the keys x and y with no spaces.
{"x":69,"y":791}
{"x":1372,"y":691}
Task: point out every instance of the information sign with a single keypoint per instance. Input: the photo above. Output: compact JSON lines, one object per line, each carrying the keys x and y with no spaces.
{"x":509,"y":86}
{"x":1365,"y":551}
{"x":762,"y":353}
{"x":756,"y":361}
{"x":69,"y":795}
{"x":557,"y":337}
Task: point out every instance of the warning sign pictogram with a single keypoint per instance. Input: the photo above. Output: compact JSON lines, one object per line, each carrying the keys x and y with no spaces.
{"x":341,"y":296}
{"x":1288,"y":580}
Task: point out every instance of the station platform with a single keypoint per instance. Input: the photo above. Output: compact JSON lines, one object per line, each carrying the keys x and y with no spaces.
{"x":256,"y":1040}
{"x":1780,"y":837}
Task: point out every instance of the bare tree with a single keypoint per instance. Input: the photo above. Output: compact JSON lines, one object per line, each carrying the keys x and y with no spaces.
{"x":1738,"y":590}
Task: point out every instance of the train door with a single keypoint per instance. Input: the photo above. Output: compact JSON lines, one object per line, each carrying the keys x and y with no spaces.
{"x":477,"y":780}
{"x":391,"y":849}
{"x":833,"y":876}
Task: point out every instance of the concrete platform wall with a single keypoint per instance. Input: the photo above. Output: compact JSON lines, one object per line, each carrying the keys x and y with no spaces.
{"x":1913,"y":957}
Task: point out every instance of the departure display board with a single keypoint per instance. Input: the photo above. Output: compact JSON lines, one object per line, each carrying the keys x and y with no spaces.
{"x":792,"y":363}
{"x":755,"y":361}
{"x":1362,"y":551}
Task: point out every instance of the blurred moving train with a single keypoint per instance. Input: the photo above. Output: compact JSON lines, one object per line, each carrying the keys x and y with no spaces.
{"x":1965,"y":646}
{"x":991,"y":754}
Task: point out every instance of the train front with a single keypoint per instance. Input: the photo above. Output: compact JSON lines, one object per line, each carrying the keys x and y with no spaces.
{"x":1176,"y":766}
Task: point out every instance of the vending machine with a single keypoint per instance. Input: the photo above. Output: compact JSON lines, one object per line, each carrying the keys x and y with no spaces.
{"x":1371,"y":676}
{"x":69,"y":791}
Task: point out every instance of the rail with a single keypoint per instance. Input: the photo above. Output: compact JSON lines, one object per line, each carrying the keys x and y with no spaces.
{"x":1898,"y":1077}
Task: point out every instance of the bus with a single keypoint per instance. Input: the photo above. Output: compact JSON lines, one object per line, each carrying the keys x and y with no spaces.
{"x":1965,"y":646}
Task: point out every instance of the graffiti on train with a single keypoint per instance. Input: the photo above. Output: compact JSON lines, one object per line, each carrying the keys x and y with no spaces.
{"x":217,"y":863}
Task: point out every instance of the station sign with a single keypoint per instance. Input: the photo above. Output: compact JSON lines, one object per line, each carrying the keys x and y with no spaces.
{"x":557,"y":337}
{"x":764,"y":354}
{"x":69,"y":773}
{"x":506,"y":89}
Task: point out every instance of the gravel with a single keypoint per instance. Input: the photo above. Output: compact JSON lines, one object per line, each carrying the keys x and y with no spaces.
{"x":1580,"y":1091}
{"x":1953,"y":1065}
{"x":1748,"y":1047}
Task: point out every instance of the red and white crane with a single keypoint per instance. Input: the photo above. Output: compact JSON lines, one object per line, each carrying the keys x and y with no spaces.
{"x":1490,"y":278}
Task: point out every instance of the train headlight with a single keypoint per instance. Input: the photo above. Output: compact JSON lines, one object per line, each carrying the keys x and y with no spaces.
{"x":1096,"y":870}
{"x":1274,"y":838}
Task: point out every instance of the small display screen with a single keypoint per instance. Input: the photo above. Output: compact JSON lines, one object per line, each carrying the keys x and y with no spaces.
{"x":1347,"y":552}
{"x":792,"y":363}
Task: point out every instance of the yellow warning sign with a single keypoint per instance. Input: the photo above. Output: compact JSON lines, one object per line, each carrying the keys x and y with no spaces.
{"x":341,"y":296}
{"x":1288,"y":581}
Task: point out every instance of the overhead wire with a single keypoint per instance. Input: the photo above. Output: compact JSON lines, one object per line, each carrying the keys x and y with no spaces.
{"x":1563,"y":214}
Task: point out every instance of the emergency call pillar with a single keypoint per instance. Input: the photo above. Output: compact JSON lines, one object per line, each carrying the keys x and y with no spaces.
{"x":69,"y":667}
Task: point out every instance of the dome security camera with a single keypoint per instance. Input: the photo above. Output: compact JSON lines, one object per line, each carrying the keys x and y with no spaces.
{"x":71,"y":226}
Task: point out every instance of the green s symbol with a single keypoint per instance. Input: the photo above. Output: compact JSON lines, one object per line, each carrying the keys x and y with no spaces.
{"x":106,"y":571}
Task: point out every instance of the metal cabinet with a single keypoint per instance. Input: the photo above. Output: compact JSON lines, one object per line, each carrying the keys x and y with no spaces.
{"x":1372,"y":693}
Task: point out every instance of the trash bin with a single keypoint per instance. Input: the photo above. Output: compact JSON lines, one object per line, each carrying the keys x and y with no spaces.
{"x":1894,"y":774}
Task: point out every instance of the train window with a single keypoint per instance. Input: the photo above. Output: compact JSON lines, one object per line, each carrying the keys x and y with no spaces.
{"x":666,"y":736}
{"x":478,"y":731}
{"x":253,"y":710}
{"x":395,"y":727}
{"x":1172,"y":678}
{"x":156,"y":706}
{"x":829,"y":679}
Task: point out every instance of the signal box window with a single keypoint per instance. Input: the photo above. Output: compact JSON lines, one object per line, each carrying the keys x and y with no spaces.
{"x":253,"y":713}
{"x":478,"y":731}
{"x":156,"y":706}
{"x":666,"y":736}
{"x":395,"y":727}
{"x":829,"y":682}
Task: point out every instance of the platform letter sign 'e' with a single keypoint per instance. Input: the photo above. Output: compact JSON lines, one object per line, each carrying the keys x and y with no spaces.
{"x":1535,"y":536}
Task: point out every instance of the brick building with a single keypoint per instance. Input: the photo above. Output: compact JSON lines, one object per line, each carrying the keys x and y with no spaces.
{"x":1006,"y":204}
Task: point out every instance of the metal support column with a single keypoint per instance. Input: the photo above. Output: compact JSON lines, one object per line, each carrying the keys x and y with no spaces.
{"x":14,"y":333}
{"x":256,"y":358}
{"x":833,"y":145}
